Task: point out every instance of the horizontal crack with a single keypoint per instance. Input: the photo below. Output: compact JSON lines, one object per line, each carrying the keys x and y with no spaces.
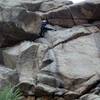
{"x":70,"y":39}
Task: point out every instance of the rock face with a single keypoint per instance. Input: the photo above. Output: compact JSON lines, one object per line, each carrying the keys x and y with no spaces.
{"x":52,"y":62}
{"x":7,"y":76}
{"x":19,"y":20}
{"x":18,"y":25}
{"x":27,"y":59}
{"x":77,"y":65}
{"x":76,"y":62}
{"x":58,"y":69}
{"x":74,"y":14}
{"x":36,"y":5}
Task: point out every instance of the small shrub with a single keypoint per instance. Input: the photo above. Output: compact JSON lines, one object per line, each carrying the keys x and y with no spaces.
{"x":9,"y":93}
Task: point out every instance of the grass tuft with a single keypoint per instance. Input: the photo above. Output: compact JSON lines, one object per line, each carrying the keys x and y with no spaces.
{"x":9,"y":93}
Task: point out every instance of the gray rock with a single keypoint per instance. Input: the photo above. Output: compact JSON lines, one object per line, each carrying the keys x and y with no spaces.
{"x":57,"y":71}
{"x":17,"y":24}
{"x":7,"y":76}
{"x":43,"y":89}
{"x":26,"y":57}
{"x":70,"y":54}
{"x":57,"y":37}
{"x":75,"y":57}
{"x":36,"y":5}
{"x":65,"y":62}
{"x":55,"y":17}
{"x":70,"y":95}
{"x":53,"y":4}
{"x":11,"y":54}
{"x":49,"y":80}
{"x":90,"y":97}
{"x":19,"y":20}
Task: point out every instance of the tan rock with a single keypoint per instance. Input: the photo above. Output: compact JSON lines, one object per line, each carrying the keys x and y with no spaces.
{"x":27,"y":59}
{"x":75,"y":14}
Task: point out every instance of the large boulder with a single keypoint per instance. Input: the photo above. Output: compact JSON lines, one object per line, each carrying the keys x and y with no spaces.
{"x":55,"y":17}
{"x":76,"y":57}
{"x":17,"y":24}
{"x":27,"y":58}
{"x":36,"y":5}
{"x":57,"y":37}
{"x":75,"y":14}
{"x":12,"y":33}
{"x":65,"y":62}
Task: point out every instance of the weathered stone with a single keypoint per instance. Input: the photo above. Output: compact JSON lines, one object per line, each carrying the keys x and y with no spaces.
{"x":55,"y":17}
{"x":70,"y":95}
{"x":43,"y":89}
{"x":61,"y":91}
{"x":90,"y":97}
{"x":87,"y":85}
{"x":64,"y":35}
{"x":24,"y":20}
{"x":76,"y":52}
{"x":82,"y":12}
{"x":26,"y":58}
{"x":12,"y":54}
{"x":12,"y":3}
{"x":7,"y":76}
{"x":53,"y":4}
{"x":74,"y":14}
{"x":84,"y":70}
{"x":48,"y":80}
{"x":36,"y":5}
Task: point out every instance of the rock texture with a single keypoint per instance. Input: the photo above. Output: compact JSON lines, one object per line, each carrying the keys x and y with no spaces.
{"x":54,"y":48}
{"x":74,"y":14}
{"x":7,"y":76}
{"x":19,"y":20}
{"x":17,"y":24}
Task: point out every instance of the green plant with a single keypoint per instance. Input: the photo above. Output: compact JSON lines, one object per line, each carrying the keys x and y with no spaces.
{"x":9,"y":93}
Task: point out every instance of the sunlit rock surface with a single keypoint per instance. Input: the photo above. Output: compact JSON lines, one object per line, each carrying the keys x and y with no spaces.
{"x":57,"y":51}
